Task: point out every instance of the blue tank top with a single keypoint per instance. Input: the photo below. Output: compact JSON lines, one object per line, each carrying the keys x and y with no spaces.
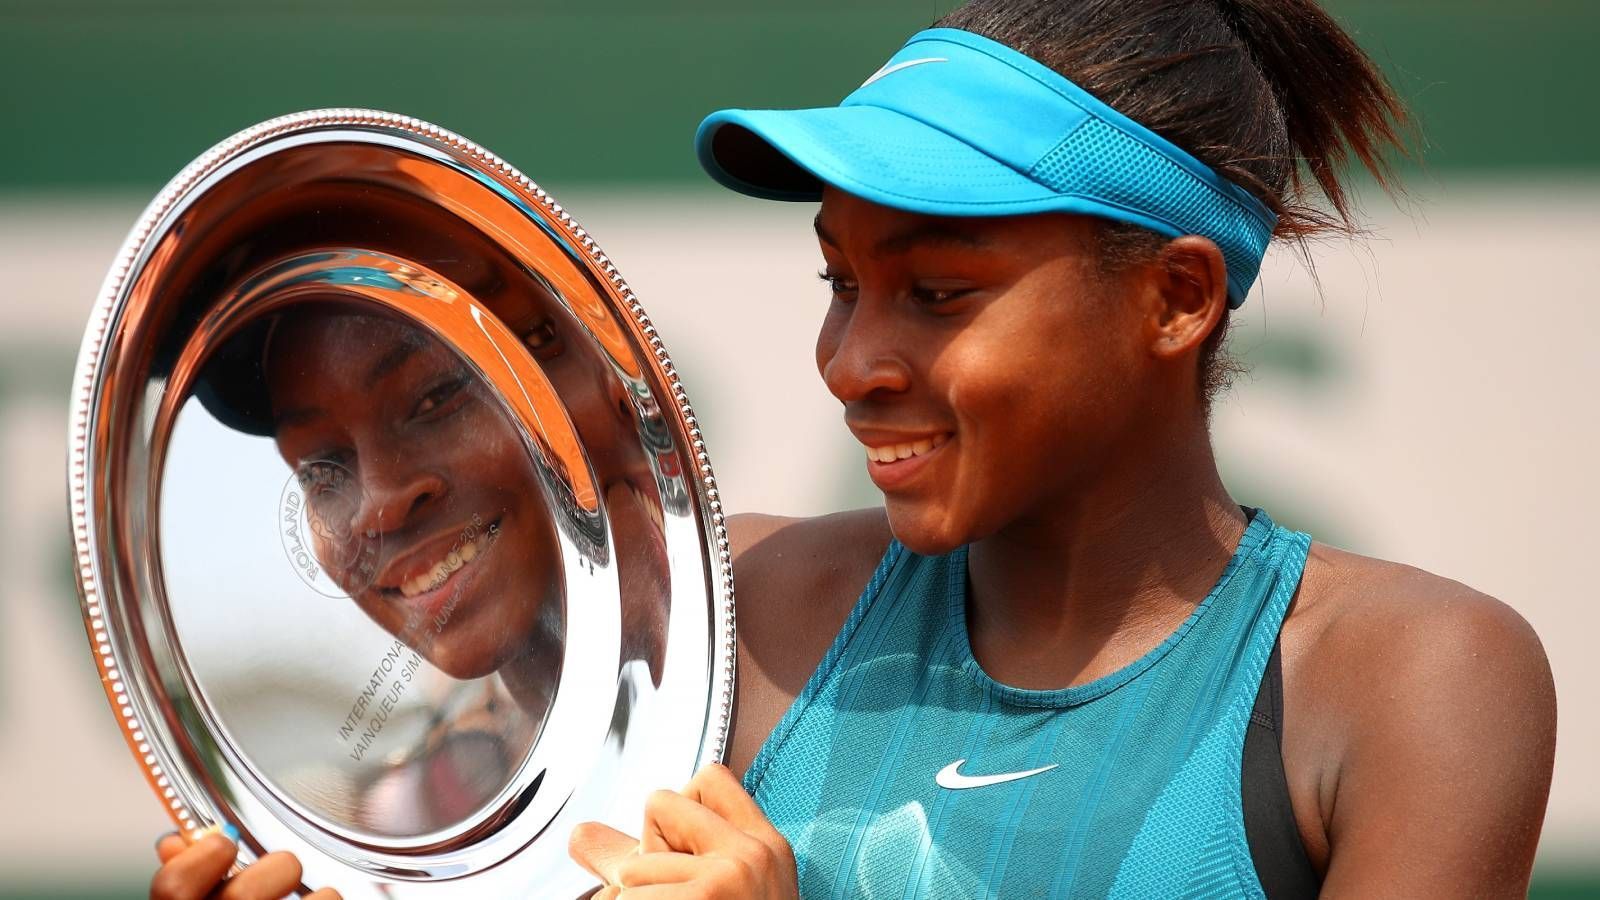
{"x":903,"y":770}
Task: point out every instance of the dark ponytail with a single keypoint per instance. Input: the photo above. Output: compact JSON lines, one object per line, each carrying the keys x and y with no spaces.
{"x":1333,"y":99}
{"x":1272,"y":94}
{"x":1266,"y":92}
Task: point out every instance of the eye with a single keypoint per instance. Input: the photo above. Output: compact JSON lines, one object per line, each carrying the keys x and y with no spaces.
{"x":321,"y":475}
{"x":438,"y":397}
{"x":843,"y":289}
{"x":937,"y":295}
{"x":543,"y":339}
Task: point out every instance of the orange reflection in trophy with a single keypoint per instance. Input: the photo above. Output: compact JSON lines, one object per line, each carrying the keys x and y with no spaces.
{"x":422,"y":497}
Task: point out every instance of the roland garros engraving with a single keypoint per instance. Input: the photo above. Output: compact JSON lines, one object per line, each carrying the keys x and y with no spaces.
{"x":317,"y":512}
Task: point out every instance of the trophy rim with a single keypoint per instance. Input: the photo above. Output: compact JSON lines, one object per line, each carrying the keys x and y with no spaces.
{"x":138,"y":716}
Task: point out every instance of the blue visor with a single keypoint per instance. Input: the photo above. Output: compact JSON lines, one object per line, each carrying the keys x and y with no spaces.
{"x":959,"y":125}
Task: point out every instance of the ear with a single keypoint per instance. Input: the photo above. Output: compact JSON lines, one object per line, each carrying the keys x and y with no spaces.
{"x":1190,"y":296}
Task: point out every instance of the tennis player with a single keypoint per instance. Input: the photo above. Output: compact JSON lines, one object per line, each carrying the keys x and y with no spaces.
{"x":1062,"y":660}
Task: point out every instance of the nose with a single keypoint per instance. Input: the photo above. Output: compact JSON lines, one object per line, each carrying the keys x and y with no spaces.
{"x":858,"y":352}
{"x":393,"y":496}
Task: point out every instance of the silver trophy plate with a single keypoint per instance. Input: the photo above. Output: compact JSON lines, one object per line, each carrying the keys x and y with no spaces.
{"x":396,"y":538}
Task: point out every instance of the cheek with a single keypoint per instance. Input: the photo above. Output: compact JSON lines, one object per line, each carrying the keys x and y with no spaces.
{"x":1033,"y":397}
{"x":483,"y":449}
{"x":1012,"y":376}
{"x":505,"y":464}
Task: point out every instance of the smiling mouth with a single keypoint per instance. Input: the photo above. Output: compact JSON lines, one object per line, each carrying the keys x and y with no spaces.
{"x":442,"y":570}
{"x":889,"y":453}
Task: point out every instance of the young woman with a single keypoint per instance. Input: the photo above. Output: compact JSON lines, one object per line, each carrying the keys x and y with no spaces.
{"x":1062,"y":660}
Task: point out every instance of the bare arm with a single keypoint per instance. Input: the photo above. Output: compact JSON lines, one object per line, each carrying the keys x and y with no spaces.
{"x":1450,"y":721}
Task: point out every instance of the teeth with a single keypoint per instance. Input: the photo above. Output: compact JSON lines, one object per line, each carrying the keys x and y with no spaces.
{"x":441,"y":571}
{"x":896,"y":452}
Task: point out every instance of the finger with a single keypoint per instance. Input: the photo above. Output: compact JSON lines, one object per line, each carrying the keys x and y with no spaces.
{"x":600,"y":849}
{"x":663,"y":892}
{"x":685,"y":825}
{"x":268,"y":878}
{"x":195,"y":870}
{"x":641,"y":869}
{"x":324,"y":894}
{"x":609,"y":892}
{"x":650,"y":839}
{"x":170,"y":845}
{"x":718,"y":790}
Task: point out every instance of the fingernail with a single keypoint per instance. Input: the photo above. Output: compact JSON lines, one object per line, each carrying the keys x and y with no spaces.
{"x":231,"y":832}
{"x":163,"y":836}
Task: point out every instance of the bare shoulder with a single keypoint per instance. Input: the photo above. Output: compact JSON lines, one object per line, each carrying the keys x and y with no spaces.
{"x":1355,"y":612}
{"x":793,"y":577}
{"x":1413,"y":699}
{"x":779,"y":560}
{"x":795,"y":581}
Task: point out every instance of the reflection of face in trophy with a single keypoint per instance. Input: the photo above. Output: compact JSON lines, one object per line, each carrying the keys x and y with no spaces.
{"x":615,"y":427}
{"x":421,"y":494}
{"x":603,"y":414}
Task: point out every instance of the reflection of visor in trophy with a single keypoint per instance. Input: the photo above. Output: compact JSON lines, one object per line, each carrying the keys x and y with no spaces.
{"x":320,"y":500}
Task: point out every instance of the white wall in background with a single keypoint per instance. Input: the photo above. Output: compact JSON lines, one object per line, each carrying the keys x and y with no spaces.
{"x":1457,"y":432}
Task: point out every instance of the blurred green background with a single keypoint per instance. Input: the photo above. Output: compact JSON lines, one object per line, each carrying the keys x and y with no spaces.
{"x":108,"y":99}
{"x":109,"y":93}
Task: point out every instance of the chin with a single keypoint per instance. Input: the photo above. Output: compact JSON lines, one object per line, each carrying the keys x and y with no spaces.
{"x":463,"y":663}
{"x":924,"y":529}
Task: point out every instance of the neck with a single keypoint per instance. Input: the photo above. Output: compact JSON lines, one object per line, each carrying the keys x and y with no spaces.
{"x":1102,"y":572}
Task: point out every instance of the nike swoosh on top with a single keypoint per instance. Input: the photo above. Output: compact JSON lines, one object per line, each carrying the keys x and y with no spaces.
{"x":950,"y":776}
{"x":890,"y":70}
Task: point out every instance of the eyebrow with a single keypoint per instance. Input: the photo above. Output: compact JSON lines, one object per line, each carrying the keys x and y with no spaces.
{"x":935,"y":232}
{"x":394,"y":359}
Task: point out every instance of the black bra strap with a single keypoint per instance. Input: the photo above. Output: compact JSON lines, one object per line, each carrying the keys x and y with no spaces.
{"x":1280,"y":858}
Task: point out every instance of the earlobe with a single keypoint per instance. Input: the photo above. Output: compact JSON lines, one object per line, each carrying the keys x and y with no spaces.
{"x":1192,"y":284}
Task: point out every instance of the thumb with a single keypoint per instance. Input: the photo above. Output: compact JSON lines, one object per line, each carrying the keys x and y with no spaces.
{"x":601,"y":849}
{"x":170,"y":845}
